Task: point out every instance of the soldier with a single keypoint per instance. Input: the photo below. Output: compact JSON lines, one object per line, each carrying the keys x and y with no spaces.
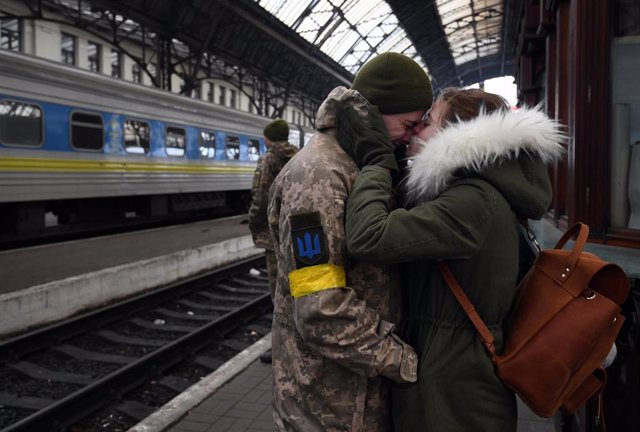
{"x":279,"y":151}
{"x":332,"y":336}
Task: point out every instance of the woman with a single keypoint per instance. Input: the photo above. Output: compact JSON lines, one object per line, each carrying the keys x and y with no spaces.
{"x":477,"y":167}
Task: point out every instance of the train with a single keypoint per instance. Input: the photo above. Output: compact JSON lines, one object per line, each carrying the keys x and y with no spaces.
{"x":86,"y":147}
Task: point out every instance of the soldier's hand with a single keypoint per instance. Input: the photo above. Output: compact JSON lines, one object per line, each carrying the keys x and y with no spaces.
{"x":367,"y":137}
{"x":402,"y":365}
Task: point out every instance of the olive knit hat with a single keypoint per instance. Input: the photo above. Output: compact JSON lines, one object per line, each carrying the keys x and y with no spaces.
{"x":277,"y":130}
{"x":394,"y":83}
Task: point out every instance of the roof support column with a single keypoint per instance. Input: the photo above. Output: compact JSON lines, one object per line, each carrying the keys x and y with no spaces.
{"x":588,"y":155}
{"x":164,"y":69}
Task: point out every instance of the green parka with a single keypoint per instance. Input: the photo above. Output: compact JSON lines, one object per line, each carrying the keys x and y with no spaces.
{"x":469,"y":183}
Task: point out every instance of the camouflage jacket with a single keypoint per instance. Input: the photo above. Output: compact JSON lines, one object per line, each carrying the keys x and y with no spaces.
{"x":332,"y":340}
{"x":269,"y":165}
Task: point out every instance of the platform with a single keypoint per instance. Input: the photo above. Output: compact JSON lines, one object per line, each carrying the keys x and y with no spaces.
{"x":42,"y":284}
{"x":243,"y":402}
{"x":239,"y":400}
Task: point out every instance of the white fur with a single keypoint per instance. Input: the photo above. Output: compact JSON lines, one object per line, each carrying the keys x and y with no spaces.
{"x":608,"y":361}
{"x":479,"y":142}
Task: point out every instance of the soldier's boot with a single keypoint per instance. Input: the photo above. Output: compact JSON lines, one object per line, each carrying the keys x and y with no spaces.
{"x":265,"y":357}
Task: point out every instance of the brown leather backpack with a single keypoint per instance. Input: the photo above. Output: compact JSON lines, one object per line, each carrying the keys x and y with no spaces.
{"x":564,"y":321}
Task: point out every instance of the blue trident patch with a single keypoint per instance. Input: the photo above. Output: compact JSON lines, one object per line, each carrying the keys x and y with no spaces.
{"x":307,"y":250}
{"x":308,"y":241}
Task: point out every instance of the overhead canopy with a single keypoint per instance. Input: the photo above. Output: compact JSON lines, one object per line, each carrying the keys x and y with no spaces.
{"x":309,"y":47}
{"x":459,"y":42}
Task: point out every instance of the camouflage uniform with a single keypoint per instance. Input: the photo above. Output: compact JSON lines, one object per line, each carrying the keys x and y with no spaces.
{"x":332,"y":340}
{"x":269,"y":165}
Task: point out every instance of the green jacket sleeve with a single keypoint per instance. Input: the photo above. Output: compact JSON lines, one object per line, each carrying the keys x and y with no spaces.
{"x":453,"y":226}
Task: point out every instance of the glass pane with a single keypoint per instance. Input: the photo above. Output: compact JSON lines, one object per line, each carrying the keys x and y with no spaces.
{"x":115,"y":64}
{"x":86,"y":131}
{"x":625,"y":133}
{"x":136,"y":137}
{"x":175,"y":143}
{"x":232,"y":147}
{"x":10,"y":34}
{"x":136,"y":75}
{"x":349,"y":32}
{"x":93,"y":56}
{"x":68,"y":48}
{"x":207,"y":144}
{"x":294,"y":136}
{"x":254,"y":149}
{"x":20,"y":123}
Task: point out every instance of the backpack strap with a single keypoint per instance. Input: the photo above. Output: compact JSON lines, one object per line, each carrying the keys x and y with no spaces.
{"x":483,"y":332}
{"x":583,"y":234}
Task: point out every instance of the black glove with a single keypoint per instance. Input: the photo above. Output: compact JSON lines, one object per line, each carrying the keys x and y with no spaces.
{"x":365,"y":138}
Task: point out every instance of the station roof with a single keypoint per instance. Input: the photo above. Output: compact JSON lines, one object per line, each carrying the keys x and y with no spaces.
{"x":312,"y":46}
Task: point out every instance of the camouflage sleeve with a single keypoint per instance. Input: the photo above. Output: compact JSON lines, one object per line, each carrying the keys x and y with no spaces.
{"x":453,"y":226}
{"x":328,"y":315}
{"x":262,"y":180}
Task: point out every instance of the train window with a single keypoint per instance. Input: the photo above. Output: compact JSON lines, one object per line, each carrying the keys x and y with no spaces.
{"x":307,"y":138}
{"x":232,"y":147}
{"x":136,"y":136}
{"x":254,"y":149}
{"x":175,"y":142}
{"x":87,"y":132}
{"x":207,"y":144}
{"x":20,"y":123}
{"x":294,"y":136}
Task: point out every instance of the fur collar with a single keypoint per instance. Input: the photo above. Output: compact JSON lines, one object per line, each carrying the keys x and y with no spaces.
{"x":475,"y":144}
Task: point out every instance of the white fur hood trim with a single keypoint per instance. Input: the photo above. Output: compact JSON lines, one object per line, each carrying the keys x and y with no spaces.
{"x":475,"y":144}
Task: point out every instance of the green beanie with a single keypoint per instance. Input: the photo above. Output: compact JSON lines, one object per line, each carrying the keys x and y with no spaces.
{"x":277,"y":130}
{"x":394,"y":83}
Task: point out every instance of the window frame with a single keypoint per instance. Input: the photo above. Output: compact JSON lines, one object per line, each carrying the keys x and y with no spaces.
{"x":257,"y":140}
{"x":222,"y":96}
{"x":232,"y":98}
{"x":136,"y":73}
{"x":11,"y":32}
{"x":98,"y":56}
{"x":215,"y":143}
{"x":226,"y":139}
{"x":146,"y":153}
{"x":210,"y":92}
{"x":119,"y":57}
{"x":42,"y":125}
{"x":166,"y":136}
{"x":71,"y":131}
{"x":74,"y":52}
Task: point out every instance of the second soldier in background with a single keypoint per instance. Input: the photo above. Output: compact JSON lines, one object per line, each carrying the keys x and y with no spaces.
{"x":279,"y":151}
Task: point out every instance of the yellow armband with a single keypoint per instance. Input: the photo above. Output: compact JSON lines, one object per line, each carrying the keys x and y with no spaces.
{"x":309,"y":280}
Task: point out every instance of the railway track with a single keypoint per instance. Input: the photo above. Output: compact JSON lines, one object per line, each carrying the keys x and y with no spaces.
{"x":127,"y":359}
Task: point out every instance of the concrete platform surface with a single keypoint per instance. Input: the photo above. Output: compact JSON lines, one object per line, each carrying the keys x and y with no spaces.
{"x":58,"y":281}
{"x":28,"y":267}
{"x":243,"y":402}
